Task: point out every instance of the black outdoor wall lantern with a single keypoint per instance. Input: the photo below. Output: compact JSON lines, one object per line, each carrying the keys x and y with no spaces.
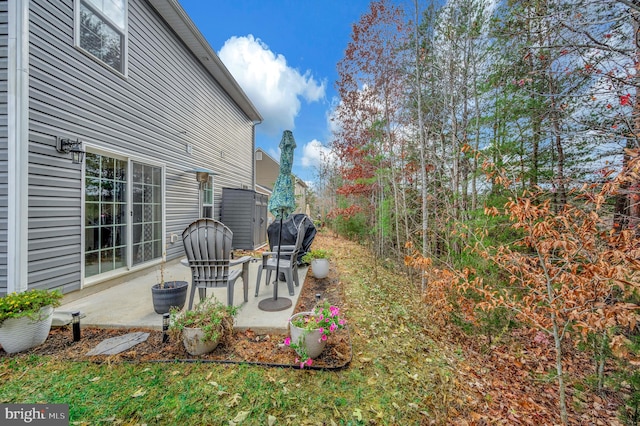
{"x":66,"y":145}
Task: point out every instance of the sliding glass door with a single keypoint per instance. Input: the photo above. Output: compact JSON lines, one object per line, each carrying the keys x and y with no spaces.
{"x":117,"y":224}
{"x":147,"y":212}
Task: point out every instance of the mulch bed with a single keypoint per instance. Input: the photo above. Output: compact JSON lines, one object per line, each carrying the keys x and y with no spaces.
{"x":241,"y":347}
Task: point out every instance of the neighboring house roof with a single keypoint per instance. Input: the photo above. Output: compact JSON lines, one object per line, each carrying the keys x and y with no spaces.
{"x":301,"y":182}
{"x":267,"y":169}
{"x":179,"y":21}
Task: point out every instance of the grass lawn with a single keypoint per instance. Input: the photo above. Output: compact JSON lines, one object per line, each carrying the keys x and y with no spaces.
{"x":398,"y":374}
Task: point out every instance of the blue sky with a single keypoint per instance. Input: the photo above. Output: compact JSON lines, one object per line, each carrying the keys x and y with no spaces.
{"x":283,"y":54}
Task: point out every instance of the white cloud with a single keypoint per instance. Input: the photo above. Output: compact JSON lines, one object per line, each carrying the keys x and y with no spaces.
{"x":314,"y":154}
{"x":273,"y":87}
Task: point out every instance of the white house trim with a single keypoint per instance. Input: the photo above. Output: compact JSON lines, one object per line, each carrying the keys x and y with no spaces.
{"x":18,"y":144}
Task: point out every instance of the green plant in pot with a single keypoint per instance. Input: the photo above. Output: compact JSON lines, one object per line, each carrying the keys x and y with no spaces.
{"x":310,"y":331}
{"x":25,"y":318}
{"x":319,"y":260}
{"x":203,"y":327}
{"x":168,"y":294}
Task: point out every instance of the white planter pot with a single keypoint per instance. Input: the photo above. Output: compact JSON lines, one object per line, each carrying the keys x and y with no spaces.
{"x":20,"y":334}
{"x":320,"y":268}
{"x":193,"y":343}
{"x":309,"y":339}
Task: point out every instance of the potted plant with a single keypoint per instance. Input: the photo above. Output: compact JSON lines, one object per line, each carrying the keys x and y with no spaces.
{"x":25,"y":318}
{"x":319,"y":260}
{"x":168,"y":294}
{"x":310,"y":331}
{"x":202,"y":328}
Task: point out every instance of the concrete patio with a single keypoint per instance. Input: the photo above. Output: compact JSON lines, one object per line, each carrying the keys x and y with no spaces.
{"x":129,"y":304}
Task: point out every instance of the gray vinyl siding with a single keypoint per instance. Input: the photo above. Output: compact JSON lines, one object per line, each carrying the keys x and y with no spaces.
{"x":167,"y":100}
{"x":4,"y":38}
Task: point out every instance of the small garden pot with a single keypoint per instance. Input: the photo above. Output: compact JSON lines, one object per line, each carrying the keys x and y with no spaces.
{"x":194,"y":344}
{"x":174,"y":294}
{"x":310,"y":340}
{"x":320,"y":268}
{"x":20,"y":334}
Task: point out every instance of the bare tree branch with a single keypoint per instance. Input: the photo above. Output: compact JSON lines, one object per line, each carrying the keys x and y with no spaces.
{"x":630,"y":4}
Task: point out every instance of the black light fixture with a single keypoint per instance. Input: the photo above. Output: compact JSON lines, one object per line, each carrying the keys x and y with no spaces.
{"x":66,"y":145}
{"x":166,"y":318}
{"x":75,"y":321}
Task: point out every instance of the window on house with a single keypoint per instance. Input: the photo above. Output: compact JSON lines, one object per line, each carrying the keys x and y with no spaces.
{"x":115,"y":238}
{"x":102,"y":30}
{"x":206,"y":195}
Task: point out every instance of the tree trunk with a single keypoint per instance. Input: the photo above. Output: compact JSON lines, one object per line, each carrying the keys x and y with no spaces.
{"x":562,"y":392}
{"x":622,"y":211}
{"x":476,"y":148}
{"x":624,"y":215}
{"x":560,"y":177}
{"x":422,"y":147}
{"x":602,"y":358}
{"x":533,"y":173}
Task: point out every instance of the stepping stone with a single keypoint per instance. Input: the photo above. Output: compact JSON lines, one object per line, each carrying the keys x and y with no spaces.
{"x":118,"y":344}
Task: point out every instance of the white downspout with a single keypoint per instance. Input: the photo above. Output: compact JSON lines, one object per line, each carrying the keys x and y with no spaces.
{"x":18,"y":145}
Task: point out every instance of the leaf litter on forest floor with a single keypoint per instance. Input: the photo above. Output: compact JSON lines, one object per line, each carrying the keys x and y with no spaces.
{"x":447,"y":372}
